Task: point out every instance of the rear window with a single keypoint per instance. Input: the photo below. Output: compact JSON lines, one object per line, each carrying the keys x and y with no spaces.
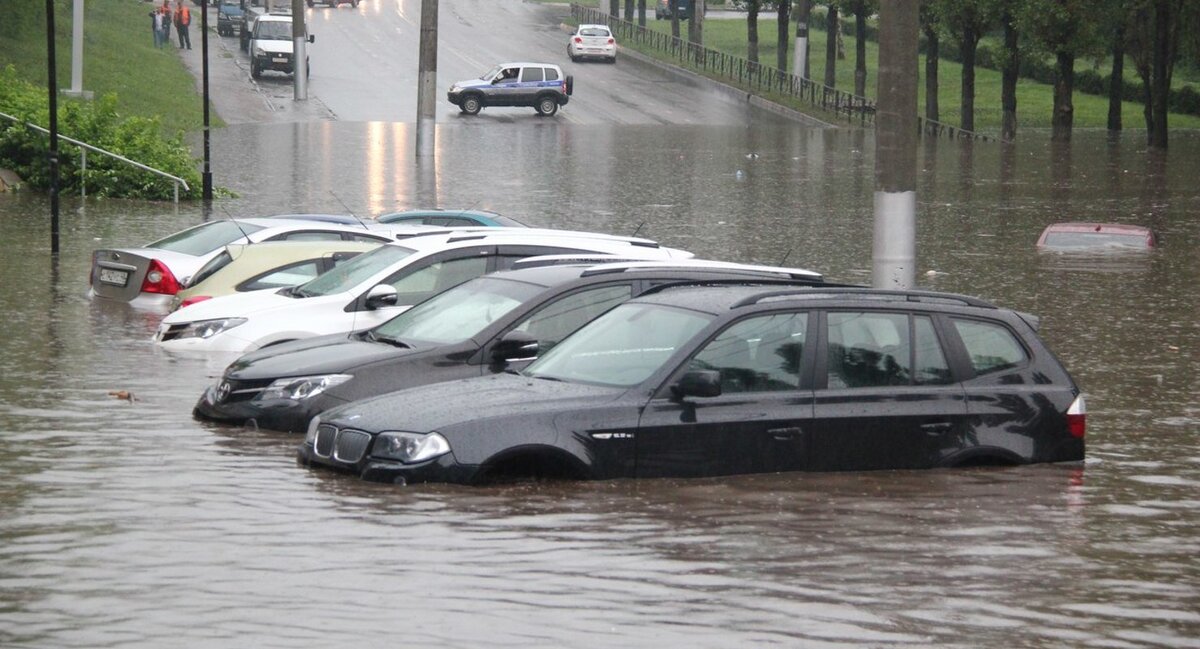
{"x":991,"y":347}
{"x":205,"y":238}
{"x":1094,"y":239}
{"x":593,"y":31}
{"x":207,"y":270}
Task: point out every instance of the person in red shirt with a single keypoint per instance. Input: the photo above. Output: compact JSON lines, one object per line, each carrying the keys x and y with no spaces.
{"x":183,"y":18}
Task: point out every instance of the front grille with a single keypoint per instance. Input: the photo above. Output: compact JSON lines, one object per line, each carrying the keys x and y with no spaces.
{"x":351,"y":446}
{"x":325,"y":437}
{"x":245,"y":390}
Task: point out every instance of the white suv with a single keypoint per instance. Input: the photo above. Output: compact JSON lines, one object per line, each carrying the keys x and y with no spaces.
{"x":377,"y":285}
{"x":271,"y":45}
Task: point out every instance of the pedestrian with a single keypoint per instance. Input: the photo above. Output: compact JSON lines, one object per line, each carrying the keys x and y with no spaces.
{"x":165,"y":10}
{"x":156,"y":27}
{"x":183,"y":18}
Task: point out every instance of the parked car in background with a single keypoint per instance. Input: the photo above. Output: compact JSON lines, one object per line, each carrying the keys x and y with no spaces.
{"x":151,"y":275}
{"x":710,"y":381}
{"x":333,"y":3}
{"x":229,"y":17}
{"x":451,"y":218}
{"x":662,"y":11}
{"x":542,"y":86}
{"x":1080,"y":236}
{"x":469,"y":330}
{"x":271,"y":45}
{"x":592,"y":42}
{"x":373,"y":287}
{"x":273,"y":264}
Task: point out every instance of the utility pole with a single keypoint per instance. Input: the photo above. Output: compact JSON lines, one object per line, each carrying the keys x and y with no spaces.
{"x":299,"y":51}
{"x":427,"y":79}
{"x":205,"y":176}
{"x":52,"y":154}
{"x":894,"y":249}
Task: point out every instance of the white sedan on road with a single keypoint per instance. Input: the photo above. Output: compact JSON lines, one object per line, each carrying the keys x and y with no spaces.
{"x":377,"y":285}
{"x":592,"y":42}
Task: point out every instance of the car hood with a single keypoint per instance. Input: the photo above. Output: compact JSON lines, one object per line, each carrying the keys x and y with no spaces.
{"x":274,"y":46}
{"x":442,"y":405}
{"x":235,"y":305}
{"x":321,"y":355}
{"x":471,"y":83}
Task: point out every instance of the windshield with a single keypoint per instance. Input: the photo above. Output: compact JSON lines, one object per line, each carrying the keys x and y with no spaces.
{"x":273,"y":30}
{"x":491,"y":74}
{"x":457,"y":314}
{"x":354,"y":272}
{"x":1094,"y":239}
{"x":622,"y":347}
{"x":207,"y":270}
{"x":205,"y":238}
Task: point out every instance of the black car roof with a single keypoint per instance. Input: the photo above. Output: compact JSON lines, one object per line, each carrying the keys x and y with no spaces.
{"x":720,"y":299}
{"x":562,"y":273}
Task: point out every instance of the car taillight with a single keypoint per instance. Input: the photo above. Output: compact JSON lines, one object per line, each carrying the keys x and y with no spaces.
{"x":1077,"y":418}
{"x":159,"y":280}
{"x":578,"y":39}
{"x":194,"y":299}
{"x":611,"y":41}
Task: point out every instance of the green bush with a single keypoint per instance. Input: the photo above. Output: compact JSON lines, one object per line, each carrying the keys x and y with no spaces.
{"x":97,"y":123}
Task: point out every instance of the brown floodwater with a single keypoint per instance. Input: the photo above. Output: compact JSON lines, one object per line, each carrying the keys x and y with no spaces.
{"x":128,"y":523}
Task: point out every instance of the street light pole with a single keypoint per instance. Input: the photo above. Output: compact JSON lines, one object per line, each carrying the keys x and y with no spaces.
{"x":206,"y":175}
{"x":299,"y":52}
{"x":52,"y":88}
{"x":427,"y":79}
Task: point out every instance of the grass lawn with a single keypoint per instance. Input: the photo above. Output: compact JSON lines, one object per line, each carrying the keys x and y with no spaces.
{"x":119,"y":57}
{"x":1034,"y":100}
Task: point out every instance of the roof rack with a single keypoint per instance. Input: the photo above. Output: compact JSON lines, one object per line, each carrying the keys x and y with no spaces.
{"x":565,"y":260}
{"x":620,"y":266}
{"x":908,"y":296}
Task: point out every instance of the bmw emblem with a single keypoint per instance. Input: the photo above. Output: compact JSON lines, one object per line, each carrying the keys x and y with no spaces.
{"x":222,"y":392}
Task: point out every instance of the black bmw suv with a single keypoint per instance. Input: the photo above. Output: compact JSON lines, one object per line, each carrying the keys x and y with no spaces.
{"x":707,"y":381}
{"x":490,"y":324}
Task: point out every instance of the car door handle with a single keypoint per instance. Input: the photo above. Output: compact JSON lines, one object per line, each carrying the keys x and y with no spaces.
{"x":785,"y":434}
{"x":937,"y":427}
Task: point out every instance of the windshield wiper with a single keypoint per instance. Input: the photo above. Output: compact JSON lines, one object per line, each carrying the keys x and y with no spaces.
{"x":546,"y":378}
{"x":387,"y":340}
{"x":296,"y":291}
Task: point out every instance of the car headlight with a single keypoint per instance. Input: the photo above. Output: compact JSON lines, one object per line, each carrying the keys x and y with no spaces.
{"x":409,"y":448}
{"x":301,"y":387}
{"x":209,"y":328}
{"x":310,"y":437}
{"x":258,"y":51}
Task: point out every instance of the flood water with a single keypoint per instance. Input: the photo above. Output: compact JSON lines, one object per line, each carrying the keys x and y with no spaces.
{"x":127,"y":523}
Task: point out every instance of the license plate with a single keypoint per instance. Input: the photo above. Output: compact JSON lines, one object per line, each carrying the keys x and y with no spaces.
{"x":112,"y":276}
{"x":279,"y":59}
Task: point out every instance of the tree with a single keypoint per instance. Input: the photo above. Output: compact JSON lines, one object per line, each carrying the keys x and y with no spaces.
{"x":696,"y":23}
{"x":930,"y":25}
{"x":752,"y":30}
{"x":641,"y":11}
{"x":782,"y":9}
{"x":831,"y":31}
{"x":861,"y":9}
{"x":1065,"y":29}
{"x":967,"y":21}
{"x":1009,"y":71}
{"x":674,"y":5}
{"x":803,"y":15}
{"x":629,"y":10}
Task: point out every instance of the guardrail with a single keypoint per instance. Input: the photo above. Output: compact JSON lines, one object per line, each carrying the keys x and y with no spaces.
{"x":763,"y":78}
{"x":85,"y":147}
{"x":938,"y":129}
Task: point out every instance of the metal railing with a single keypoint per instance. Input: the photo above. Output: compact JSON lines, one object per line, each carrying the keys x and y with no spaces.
{"x":759,"y":77}
{"x":941,"y":129}
{"x":85,"y":147}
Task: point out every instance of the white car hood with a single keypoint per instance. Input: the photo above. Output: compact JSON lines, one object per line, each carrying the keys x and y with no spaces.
{"x":274,"y":46}
{"x":237,"y":305}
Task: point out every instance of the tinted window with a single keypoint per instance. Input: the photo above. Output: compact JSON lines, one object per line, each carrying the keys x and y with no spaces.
{"x":757,"y":354}
{"x":206,"y":238}
{"x":437,"y":277}
{"x":286,"y":276}
{"x":990,"y":346}
{"x":622,"y":347}
{"x":207,"y":270}
{"x":309,"y":236}
{"x":356,"y":271}
{"x":532,"y":74}
{"x":931,"y":366}
{"x":868,"y":349}
{"x":551,"y":74}
{"x":557,"y":320}
{"x":459,"y":313}
{"x":593,"y":31}
{"x":1094,"y":239}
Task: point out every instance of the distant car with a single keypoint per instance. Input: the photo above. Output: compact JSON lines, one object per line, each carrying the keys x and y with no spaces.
{"x":451,"y":218}
{"x":1078,"y":236}
{"x":272,"y":264}
{"x":151,"y":275}
{"x":592,"y":42}
{"x":229,"y":17}
{"x":662,"y":11}
{"x":375,"y":286}
{"x":542,"y":86}
{"x":271,"y":45}
{"x":456,"y":334}
{"x":701,"y":381}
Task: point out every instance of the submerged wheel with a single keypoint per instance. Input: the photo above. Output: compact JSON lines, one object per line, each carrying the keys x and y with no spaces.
{"x":546,"y":106}
{"x":471,"y":105}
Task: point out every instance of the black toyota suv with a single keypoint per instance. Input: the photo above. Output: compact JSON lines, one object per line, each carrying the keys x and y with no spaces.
{"x":709,"y":381}
{"x":489,"y":324}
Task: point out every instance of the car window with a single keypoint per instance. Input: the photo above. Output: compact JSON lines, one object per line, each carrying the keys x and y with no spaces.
{"x":532,"y":74}
{"x":207,"y":270}
{"x":436,"y":277}
{"x":593,"y":31}
{"x":930,"y":367}
{"x":459,"y":313}
{"x":551,"y":74}
{"x":555,"y":321}
{"x":1094,"y":239}
{"x":355,"y":271}
{"x":273,"y":30}
{"x":990,"y":346}
{"x":308,"y":236}
{"x":292,"y":275}
{"x":205,"y":238}
{"x":622,"y":347}
{"x":364,"y":238}
{"x":757,"y":354}
{"x":868,"y":349}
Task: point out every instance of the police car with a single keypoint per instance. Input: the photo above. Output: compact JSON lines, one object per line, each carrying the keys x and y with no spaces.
{"x":542,"y":86}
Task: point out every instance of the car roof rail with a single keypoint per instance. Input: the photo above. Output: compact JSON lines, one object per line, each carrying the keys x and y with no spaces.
{"x":563,"y":260}
{"x":822,"y":292}
{"x":620,"y":266}
{"x":748,"y":280}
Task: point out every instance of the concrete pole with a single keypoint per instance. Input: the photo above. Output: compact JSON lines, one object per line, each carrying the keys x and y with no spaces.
{"x":52,"y":154}
{"x":427,"y":79}
{"x":894,"y":249}
{"x":800,"y":56}
{"x":77,"y":49}
{"x":299,"y":52}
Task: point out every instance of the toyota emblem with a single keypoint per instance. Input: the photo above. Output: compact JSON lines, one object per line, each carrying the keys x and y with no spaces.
{"x":222,"y":392}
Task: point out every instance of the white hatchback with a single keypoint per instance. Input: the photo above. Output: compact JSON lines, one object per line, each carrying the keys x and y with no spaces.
{"x":592,"y":42}
{"x":376,"y":286}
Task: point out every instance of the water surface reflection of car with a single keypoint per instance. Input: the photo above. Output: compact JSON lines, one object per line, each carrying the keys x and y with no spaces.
{"x":708,"y":381}
{"x":469,"y":330}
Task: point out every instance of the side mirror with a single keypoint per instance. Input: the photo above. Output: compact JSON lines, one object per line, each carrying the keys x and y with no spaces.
{"x":515,"y":346}
{"x":312,"y":38}
{"x":381,"y":295}
{"x":698,"y":383}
